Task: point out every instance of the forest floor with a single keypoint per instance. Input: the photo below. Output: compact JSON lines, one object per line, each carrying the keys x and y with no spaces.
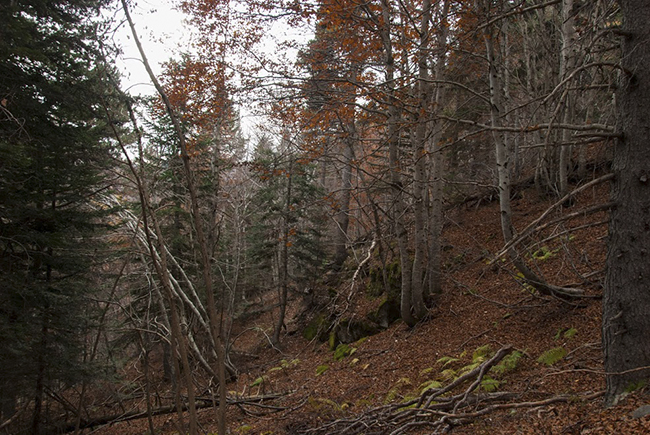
{"x":482,"y":305}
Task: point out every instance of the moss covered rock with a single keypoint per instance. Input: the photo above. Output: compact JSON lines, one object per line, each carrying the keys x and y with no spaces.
{"x":317,"y":328}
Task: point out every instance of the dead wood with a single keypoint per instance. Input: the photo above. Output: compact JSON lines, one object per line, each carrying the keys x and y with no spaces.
{"x":536,"y":225}
{"x":202,"y":402}
{"x":436,"y":409}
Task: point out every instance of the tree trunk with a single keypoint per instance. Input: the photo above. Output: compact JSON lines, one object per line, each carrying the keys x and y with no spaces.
{"x":420,"y":239}
{"x":626,"y":304}
{"x":567,"y":63}
{"x":39,"y":389}
{"x":436,"y":161}
{"x":397,"y":186}
{"x":343,"y":215}
{"x":284,"y":260}
{"x":503,"y":161}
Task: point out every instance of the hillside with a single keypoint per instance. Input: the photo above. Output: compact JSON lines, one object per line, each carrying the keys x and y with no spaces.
{"x":302,"y":387}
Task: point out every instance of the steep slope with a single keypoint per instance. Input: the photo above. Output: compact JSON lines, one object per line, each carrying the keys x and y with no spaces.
{"x":551,"y":384}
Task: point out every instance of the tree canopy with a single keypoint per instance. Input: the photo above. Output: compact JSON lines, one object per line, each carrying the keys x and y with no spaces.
{"x":150,"y":226}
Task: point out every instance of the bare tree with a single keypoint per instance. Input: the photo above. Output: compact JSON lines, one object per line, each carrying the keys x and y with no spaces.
{"x":216,"y":322}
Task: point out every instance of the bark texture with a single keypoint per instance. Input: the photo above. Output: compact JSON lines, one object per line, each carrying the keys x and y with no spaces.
{"x":626,"y":304}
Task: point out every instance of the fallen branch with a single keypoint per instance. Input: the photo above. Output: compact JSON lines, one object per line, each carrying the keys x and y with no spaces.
{"x":387,"y":418}
{"x":438,"y":411}
{"x":202,"y":402}
{"x":534,"y":225}
{"x":352,"y":292}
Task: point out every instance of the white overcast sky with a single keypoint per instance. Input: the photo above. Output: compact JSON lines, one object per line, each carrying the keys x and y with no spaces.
{"x":161,"y":32}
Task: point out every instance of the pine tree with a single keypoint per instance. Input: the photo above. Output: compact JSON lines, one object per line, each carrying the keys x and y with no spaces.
{"x":52,"y":150}
{"x":626,"y":300}
{"x":285,"y":237}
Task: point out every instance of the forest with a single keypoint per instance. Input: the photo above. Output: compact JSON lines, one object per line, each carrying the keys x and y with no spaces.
{"x":438,"y":221}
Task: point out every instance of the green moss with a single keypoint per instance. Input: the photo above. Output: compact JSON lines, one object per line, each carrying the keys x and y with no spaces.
{"x":375,"y":287}
{"x":635,"y":386}
{"x":543,"y":253}
{"x":333,"y":340}
{"x":315,"y":328}
{"x":259,"y":381}
{"x":359,"y":341}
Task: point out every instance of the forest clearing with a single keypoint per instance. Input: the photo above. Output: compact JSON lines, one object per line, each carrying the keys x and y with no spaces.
{"x":433,"y":217}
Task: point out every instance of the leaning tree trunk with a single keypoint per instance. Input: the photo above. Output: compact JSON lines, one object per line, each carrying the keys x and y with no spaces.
{"x":626,"y":304}
{"x":216,"y":323}
{"x":178,"y":341}
{"x":503,"y":162}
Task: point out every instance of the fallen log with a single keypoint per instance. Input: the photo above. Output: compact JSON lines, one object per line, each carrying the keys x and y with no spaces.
{"x":202,"y":403}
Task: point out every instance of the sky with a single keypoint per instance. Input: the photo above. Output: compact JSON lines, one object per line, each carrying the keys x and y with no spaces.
{"x":161,"y":32}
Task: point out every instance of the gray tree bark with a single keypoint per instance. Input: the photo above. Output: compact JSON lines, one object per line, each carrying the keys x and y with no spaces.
{"x":626,"y":303}
{"x":567,"y":63}
{"x":436,"y":161}
{"x":399,"y":207}
{"x":420,"y":238}
{"x":393,"y":140}
{"x":503,"y":162}
{"x":342,"y":218}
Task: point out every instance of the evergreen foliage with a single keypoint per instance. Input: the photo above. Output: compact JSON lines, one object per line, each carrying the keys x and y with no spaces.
{"x":303,"y":217}
{"x":52,"y":151}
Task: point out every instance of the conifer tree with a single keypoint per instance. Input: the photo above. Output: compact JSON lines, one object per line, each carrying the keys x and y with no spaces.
{"x":52,"y":151}
{"x":284,"y":239}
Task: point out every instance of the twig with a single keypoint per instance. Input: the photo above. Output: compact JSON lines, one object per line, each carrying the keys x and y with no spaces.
{"x":395,"y":418}
{"x":534,"y":225}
